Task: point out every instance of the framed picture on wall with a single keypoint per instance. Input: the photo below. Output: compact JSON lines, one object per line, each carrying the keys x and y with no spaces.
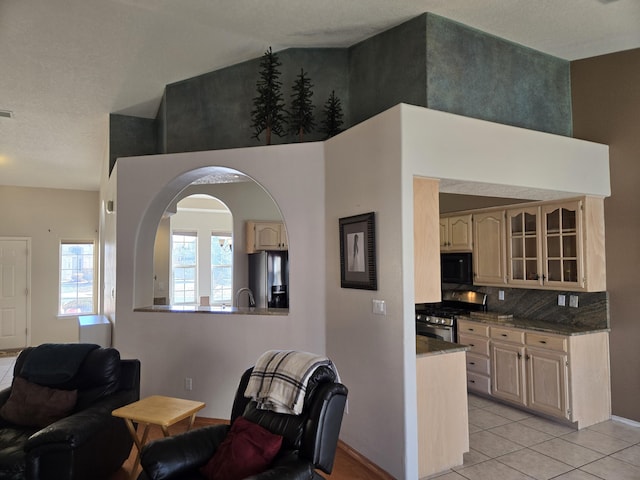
{"x":358,"y":252}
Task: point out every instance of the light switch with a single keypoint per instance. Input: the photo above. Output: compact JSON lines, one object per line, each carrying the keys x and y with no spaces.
{"x":562,"y":299}
{"x":379,"y":307}
{"x":573,"y":301}
{"x":500,"y":294}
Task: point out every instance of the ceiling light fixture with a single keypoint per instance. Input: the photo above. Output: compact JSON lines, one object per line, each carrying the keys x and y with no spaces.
{"x":6,"y":113}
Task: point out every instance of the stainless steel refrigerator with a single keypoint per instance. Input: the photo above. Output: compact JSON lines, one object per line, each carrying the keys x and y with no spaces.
{"x":269,"y":278}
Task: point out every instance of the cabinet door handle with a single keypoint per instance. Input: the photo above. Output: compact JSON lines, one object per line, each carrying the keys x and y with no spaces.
{"x":543,"y":341}
{"x":519,"y":355}
{"x":470,"y":329}
{"x":504,"y":335}
{"x":472,"y":363}
{"x":527,"y":356}
{"x":472,"y":345}
{"x":472,"y":381}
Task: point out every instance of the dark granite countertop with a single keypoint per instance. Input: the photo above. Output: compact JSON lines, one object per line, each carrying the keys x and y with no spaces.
{"x":540,"y":325}
{"x":213,"y":309}
{"x":432,"y":346}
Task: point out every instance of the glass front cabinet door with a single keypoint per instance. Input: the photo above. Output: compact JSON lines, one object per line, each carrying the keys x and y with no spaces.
{"x":562,"y":246}
{"x":524,"y":246}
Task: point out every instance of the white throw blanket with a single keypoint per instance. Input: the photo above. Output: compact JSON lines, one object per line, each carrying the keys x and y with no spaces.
{"x":279,"y":379}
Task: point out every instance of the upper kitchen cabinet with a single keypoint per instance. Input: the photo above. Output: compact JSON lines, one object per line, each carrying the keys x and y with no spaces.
{"x":489,"y":250}
{"x":524,"y":246}
{"x":562,"y":244}
{"x":573,"y":247}
{"x":266,"y":236}
{"x":456,"y":233}
{"x":425,"y":242}
{"x":555,"y":245}
{"x":558,"y":245}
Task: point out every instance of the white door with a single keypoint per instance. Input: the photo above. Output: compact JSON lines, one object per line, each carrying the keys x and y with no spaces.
{"x":13,"y":293}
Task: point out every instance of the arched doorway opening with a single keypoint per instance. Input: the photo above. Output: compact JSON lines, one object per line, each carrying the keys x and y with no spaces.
{"x":207,"y":222}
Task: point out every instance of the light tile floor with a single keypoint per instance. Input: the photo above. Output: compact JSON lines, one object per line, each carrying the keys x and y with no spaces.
{"x":508,"y":444}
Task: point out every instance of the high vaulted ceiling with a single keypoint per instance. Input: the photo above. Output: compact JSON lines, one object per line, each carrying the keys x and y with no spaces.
{"x":66,"y":64}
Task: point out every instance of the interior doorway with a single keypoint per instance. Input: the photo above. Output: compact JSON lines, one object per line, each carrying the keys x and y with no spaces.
{"x":15,"y":256}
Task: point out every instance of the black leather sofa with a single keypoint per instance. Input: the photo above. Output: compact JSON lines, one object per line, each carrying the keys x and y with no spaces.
{"x":309,"y":440}
{"x":89,"y":443}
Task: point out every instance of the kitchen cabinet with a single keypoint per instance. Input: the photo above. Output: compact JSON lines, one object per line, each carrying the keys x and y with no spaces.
{"x":266,"y":236}
{"x":456,"y":233}
{"x":489,"y":251}
{"x":427,"y":287}
{"x":563,"y":376}
{"x":524,"y":246}
{"x":563,"y":244}
{"x":529,"y":371}
{"x":549,"y":245}
{"x":548,"y":389}
{"x":476,"y":336}
{"x":507,"y":365}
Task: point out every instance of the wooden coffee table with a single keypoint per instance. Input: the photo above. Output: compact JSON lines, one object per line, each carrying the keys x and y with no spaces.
{"x":156,"y":410}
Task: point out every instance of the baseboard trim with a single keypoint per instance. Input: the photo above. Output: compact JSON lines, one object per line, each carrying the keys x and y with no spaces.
{"x":10,"y":352}
{"x":627,"y":421}
{"x":377,"y":472}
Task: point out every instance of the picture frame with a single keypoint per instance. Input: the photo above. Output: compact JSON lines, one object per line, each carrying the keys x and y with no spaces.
{"x":358,"y":252}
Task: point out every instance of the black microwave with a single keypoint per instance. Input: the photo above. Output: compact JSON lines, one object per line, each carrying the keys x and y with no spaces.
{"x":456,"y":268}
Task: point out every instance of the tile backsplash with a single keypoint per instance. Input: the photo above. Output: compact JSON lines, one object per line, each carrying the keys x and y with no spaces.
{"x":592,"y":310}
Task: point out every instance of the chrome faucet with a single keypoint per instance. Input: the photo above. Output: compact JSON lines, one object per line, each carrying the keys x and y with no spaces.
{"x":252,"y":302}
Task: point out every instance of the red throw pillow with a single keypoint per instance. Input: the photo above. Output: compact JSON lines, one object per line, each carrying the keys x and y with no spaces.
{"x":247,"y":449}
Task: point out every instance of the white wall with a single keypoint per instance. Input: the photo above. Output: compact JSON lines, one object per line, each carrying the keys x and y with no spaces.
{"x":214,"y":349}
{"x":363,"y":175}
{"x":371,"y":168}
{"x":48,"y":216}
{"x":477,"y":157}
{"x":368,"y":168}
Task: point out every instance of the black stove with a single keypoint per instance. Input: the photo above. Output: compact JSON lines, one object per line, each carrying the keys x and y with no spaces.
{"x":439,"y":319}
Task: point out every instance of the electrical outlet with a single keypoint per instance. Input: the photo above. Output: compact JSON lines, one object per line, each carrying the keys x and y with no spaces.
{"x":188,"y":383}
{"x":562,"y":299}
{"x":573,"y":301}
{"x":500,"y":294}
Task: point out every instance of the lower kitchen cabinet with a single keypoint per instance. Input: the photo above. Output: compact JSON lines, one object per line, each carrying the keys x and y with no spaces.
{"x":476,"y":336}
{"x":508,"y":372}
{"x":548,"y":386}
{"x":531,"y":377}
{"x":562,"y":376}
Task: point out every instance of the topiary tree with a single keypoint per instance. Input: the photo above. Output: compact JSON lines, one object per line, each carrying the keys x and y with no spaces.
{"x":301,"y":114}
{"x":268,"y":114}
{"x":332,"y":116}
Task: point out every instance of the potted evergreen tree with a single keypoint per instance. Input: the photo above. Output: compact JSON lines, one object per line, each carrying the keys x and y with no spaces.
{"x":268,"y":114}
{"x":332,"y":116}
{"x":301,"y":114}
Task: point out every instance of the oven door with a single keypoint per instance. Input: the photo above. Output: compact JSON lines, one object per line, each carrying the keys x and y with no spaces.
{"x":441,"y":332}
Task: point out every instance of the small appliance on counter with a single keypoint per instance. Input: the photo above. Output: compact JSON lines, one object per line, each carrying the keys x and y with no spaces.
{"x":269,"y":278}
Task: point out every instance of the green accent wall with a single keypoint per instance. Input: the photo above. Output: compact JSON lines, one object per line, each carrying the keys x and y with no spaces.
{"x":478,"y":75}
{"x":427,"y":61}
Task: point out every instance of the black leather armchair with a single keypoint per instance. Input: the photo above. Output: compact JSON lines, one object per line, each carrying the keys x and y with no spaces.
{"x":309,"y":440}
{"x":88,"y":444}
